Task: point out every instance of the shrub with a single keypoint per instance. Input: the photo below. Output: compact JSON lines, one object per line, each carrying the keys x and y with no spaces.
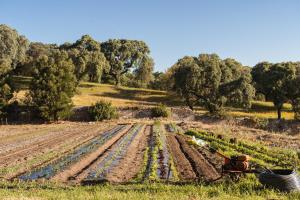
{"x":102,"y":110}
{"x":259,"y":122}
{"x":160,"y":111}
{"x":260,"y":97}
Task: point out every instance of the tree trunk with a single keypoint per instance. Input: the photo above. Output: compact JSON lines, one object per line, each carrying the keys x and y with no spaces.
{"x":190,"y":105}
{"x":117,"y":79}
{"x":279,"y":113}
{"x":55,"y":116}
{"x":210,"y":108}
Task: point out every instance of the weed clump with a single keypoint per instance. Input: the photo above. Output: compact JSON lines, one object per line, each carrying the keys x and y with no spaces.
{"x":259,"y":122}
{"x":102,"y":110}
{"x":160,"y":111}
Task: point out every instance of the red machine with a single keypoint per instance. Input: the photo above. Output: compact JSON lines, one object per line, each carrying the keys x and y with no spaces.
{"x":235,"y":166}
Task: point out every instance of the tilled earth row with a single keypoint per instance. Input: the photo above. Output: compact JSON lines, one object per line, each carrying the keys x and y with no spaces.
{"x":37,"y":154}
{"x":122,"y":155}
{"x":191,"y":163}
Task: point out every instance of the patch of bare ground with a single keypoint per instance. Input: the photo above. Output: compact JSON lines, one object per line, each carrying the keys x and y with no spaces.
{"x":268,"y":138}
{"x":182,"y":164}
{"x":130,"y":165}
{"x":47,"y":144}
{"x":84,"y":173}
{"x":212,"y":158}
{"x":202,"y":168}
{"x":75,"y":171}
{"x":12,"y":142}
{"x":7,"y":131}
{"x":28,"y":135}
{"x":59,"y":146}
{"x":182,"y":113}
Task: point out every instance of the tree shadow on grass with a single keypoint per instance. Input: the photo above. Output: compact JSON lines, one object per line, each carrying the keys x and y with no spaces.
{"x":143,"y":95}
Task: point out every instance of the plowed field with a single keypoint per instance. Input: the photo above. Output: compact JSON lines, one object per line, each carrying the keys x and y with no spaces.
{"x":102,"y":152}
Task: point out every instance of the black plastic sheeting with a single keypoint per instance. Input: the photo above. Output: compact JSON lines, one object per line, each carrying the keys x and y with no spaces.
{"x":281,"y":179}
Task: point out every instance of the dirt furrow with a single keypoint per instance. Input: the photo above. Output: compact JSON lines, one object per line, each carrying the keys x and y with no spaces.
{"x":40,"y":146}
{"x":72,"y":144}
{"x":13,"y":143}
{"x":203,"y":169}
{"x":85,"y":163}
{"x":80,"y":177}
{"x":182,"y":164}
{"x":130,"y":165}
{"x":212,"y":158}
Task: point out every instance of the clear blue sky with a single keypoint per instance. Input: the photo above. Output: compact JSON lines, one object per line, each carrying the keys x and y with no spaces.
{"x":247,"y":30}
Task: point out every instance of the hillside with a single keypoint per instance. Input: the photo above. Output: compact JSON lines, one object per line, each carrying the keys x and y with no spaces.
{"x":89,"y":93}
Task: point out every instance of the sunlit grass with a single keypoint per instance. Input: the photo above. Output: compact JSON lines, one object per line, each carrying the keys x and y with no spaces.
{"x":266,"y":105}
{"x":89,"y":93}
{"x":266,"y":115}
{"x":262,"y":109}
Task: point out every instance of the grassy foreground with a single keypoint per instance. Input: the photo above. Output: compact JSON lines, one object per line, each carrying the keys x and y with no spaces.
{"x":248,"y":188}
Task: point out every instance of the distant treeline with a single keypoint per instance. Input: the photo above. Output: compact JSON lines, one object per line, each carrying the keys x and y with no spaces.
{"x":54,"y":71}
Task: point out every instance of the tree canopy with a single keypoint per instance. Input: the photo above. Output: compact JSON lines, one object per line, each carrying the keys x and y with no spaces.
{"x":88,"y":59}
{"x":13,"y":49}
{"x":143,"y":74}
{"x":124,"y":55}
{"x":278,"y":82}
{"x":53,"y":85}
{"x":35,"y":51}
{"x":206,"y":80}
{"x":211,"y":82}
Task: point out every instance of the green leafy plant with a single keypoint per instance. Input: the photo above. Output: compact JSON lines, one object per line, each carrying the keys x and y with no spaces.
{"x":259,"y":154}
{"x":102,"y":110}
{"x":259,"y":122}
{"x":160,"y":111}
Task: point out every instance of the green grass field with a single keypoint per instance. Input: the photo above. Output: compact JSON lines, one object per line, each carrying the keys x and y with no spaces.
{"x":245,"y":189}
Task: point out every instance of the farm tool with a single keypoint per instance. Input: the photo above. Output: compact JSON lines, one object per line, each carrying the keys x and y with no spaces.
{"x":234,"y":166}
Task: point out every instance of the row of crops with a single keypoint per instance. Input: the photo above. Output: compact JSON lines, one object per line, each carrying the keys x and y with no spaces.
{"x":62,"y":163}
{"x":114,"y":156}
{"x":259,"y":153}
{"x":158,"y":162}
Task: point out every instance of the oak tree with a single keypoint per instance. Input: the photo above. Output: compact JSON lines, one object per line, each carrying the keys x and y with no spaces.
{"x":213,"y":83}
{"x":123,"y":56}
{"x":53,"y":85}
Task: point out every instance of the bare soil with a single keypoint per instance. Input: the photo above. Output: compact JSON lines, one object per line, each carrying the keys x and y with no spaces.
{"x":61,"y":145}
{"x":78,"y":170}
{"x":48,"y":143}
{"x":23,"y":144}
{"x":203,"y":169}
{"x":212,"y":158}
{"x":132,"y":162}
{"x":182,"y":164}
